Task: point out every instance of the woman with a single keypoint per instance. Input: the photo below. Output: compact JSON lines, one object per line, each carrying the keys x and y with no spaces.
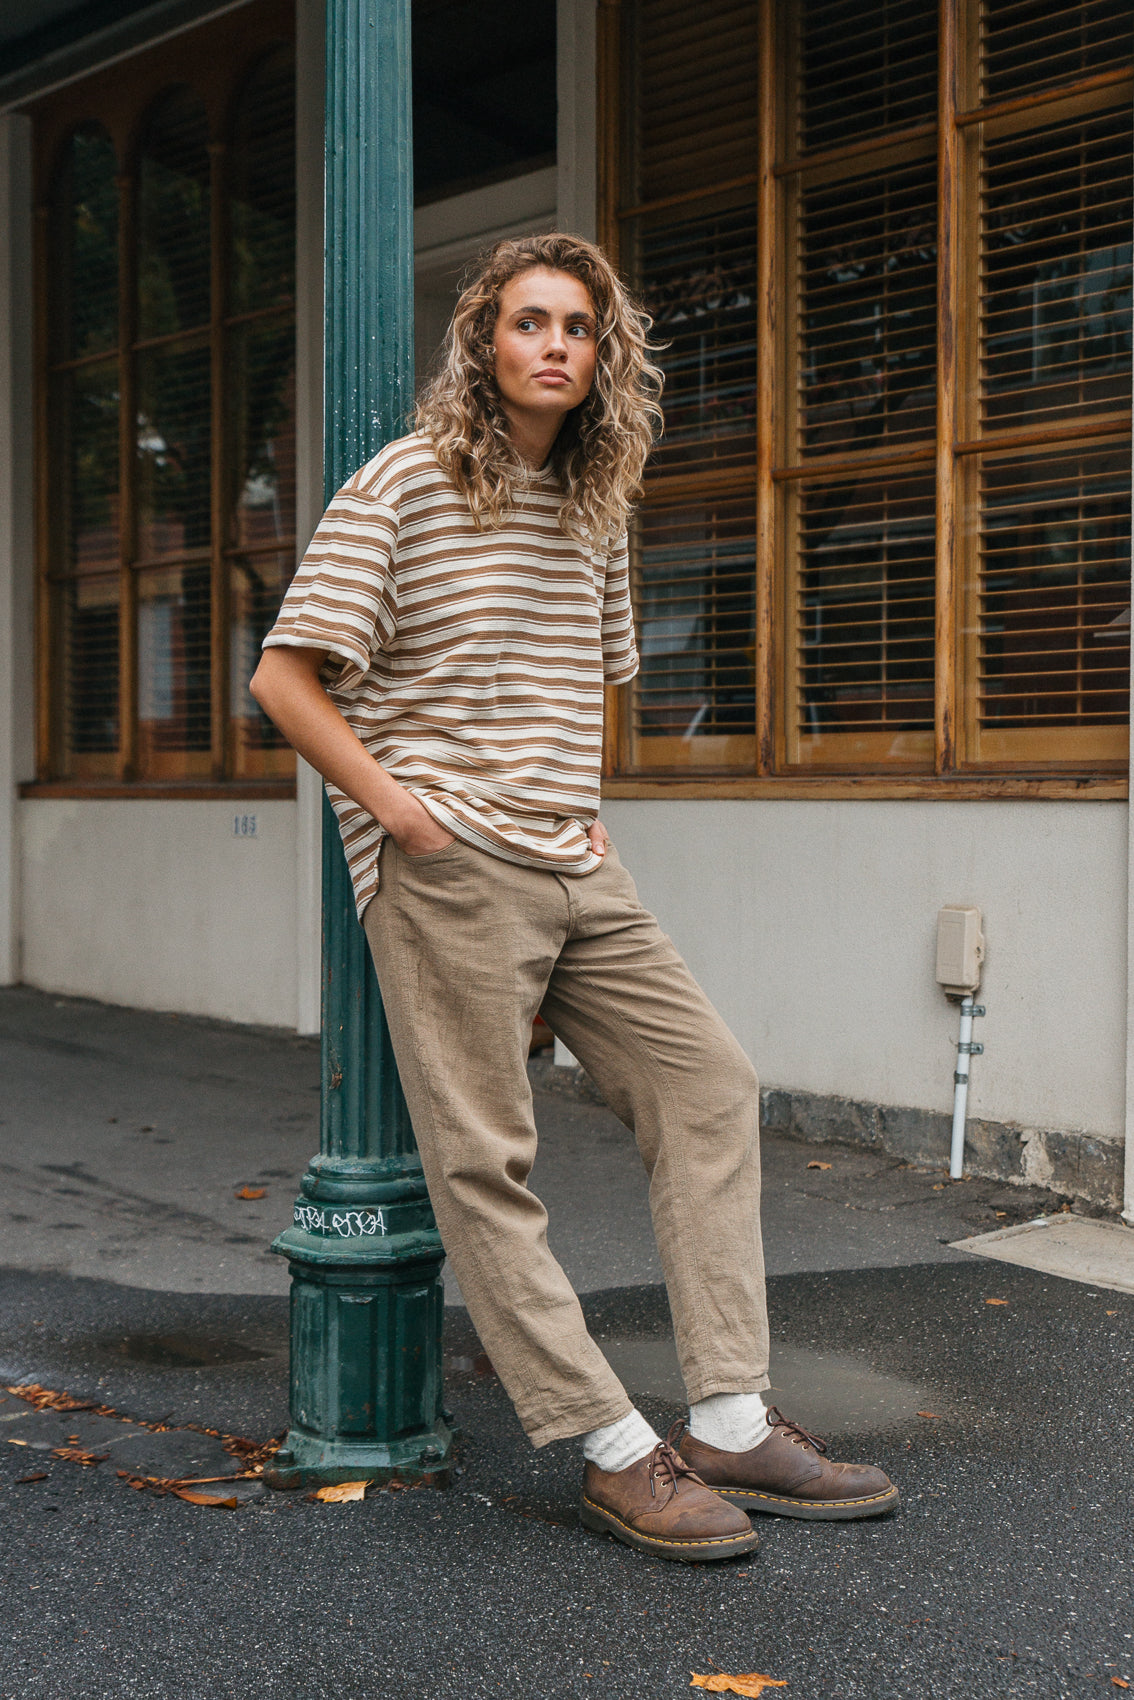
{"x":440,"y":658}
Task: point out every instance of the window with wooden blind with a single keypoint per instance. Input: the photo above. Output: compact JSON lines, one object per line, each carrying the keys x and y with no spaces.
{"x":887,"y":246}
{"x":166,"y":406}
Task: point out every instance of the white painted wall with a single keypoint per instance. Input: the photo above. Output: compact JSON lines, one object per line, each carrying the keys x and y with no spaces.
{"x":161,"y":906}
{"x":812,"y":926}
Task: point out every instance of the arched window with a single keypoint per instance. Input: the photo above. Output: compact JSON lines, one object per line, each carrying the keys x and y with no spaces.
{"x":168,"y":472}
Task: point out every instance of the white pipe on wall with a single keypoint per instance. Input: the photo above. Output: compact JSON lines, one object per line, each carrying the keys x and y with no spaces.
{"x":965,"y":1052}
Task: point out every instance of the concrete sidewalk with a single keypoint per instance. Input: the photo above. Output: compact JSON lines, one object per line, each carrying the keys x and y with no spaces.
{"x":132,"y":1276}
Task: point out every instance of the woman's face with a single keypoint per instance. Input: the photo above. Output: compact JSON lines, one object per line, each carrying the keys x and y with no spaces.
{"x":544,"y":342}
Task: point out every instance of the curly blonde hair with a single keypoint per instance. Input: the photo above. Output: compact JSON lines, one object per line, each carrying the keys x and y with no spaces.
{"x":601,"y":447}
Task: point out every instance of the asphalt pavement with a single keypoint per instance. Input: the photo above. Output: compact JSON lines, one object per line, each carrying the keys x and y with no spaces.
{"x":134,"y":1279}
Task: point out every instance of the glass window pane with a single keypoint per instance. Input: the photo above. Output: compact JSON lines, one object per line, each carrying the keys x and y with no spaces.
{"x":174,"y":437}
{"x":173,"y":218}
{"x":868,"y":309}
{"x":85,"y":521}
{"x":174,"y":620}
{"x":694,"y":613}
{"x":695,"y":86}
{"x":865,"y":601}
{"x":261,"y":384}
{"x":84,"y":247}
{"x":697,"y":279}
{"x":1054,"y":638}
{"x":85,"y":629}
{"x":1056,"y":296}
{"x":256,"y":587}
{"x":865,"y":69}
{"x":1033,"y":44}
{"x":85,"y":566}
{"x":262,"y":175}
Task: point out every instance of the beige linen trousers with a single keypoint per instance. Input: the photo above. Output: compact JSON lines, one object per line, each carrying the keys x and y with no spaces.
{"x":468,"y":948}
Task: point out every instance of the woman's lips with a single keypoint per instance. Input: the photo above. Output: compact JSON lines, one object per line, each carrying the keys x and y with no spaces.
{"x":552,"y":378}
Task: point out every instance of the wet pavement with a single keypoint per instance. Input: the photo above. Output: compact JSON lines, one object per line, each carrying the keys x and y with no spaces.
{"x":1006,"y":1571}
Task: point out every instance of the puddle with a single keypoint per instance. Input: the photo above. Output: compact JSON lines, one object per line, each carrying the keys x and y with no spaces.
{"x":829,"y":1392}
{"x":181,"y":1351}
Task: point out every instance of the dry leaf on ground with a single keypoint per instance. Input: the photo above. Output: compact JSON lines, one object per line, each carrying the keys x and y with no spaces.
{"x":251,"y":1192}
{"x":931,"y":1414}
{"x":818,"y":1165}
{"x":996,"y":1301}
{"x":340,"y":1492}
{"x":77,"y":1455}
{"x":12,"y":1442}
{"x":752,"y":1684}
{"x":46,"y":1399}
{"x":1119,"y":1683}
{"x":229,"y":1504}
{"x":40,"y":1476}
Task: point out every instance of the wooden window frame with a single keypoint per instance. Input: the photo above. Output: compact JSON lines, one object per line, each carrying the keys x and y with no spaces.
{"x":955,"y":447}
{"x":216,"y":61}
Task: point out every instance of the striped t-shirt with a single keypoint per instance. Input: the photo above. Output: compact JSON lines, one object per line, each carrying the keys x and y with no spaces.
{"x":470,"y":663}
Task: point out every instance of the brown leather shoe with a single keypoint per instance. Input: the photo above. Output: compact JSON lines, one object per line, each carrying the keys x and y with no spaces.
{"x":789,"y":1474}
{"x":658,"y":1504}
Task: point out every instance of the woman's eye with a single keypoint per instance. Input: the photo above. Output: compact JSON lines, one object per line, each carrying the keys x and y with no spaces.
{"x":580,"y":330}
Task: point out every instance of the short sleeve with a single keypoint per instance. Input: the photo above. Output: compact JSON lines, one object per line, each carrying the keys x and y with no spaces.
{"x":619,"y":650}
{"x":343,"y":598}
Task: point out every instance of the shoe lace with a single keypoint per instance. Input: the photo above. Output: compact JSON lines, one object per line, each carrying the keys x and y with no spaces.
{"x":668,"y":1464}
{"x":794,"y":1430}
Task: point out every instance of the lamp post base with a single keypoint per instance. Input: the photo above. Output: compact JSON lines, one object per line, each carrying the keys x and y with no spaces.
{"x":366,"y":1368}
{"x":309,"y":1460}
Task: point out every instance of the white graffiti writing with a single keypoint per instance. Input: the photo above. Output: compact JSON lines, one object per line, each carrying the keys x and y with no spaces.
{"x":345,"y":1224}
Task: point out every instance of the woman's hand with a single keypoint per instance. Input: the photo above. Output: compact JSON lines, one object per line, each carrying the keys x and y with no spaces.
{"x":414,"y":830}
{"x":288,"y":688}
{"x":599,"y":837}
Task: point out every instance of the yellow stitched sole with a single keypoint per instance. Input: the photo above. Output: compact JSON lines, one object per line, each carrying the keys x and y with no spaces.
{"x":596,"y":1517}
{"x":822,"y":1510}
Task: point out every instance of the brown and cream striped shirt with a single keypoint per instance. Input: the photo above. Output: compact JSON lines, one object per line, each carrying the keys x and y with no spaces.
{"x":470,"y":663}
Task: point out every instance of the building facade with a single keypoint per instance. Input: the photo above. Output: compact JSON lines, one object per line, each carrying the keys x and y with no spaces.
{"x":882,"y":562}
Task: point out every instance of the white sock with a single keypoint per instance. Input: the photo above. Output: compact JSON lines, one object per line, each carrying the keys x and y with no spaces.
{"x":620,"y":1444}
{"x":736,"y":1422}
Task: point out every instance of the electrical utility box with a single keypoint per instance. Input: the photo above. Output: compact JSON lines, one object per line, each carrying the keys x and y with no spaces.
{"x":960,"y":949}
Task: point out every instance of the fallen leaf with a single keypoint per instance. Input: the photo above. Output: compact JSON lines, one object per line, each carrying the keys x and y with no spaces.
{"x":12,"y":1442}
{"x":46,"y":1399}
{"x":77,"y":1455}
{"x":204,"y":1498}
{"x":996,"y":1301}
{"x":752,"y":1685}
{"x":931,"y":1414}
{"x":818,"y":1165}
{"x":1118,"y":1682}
{"x":251,"y":1192}
{"x":340,"y":1492}
{"x":40,"y":1476}
{"x":1112,"y":1313}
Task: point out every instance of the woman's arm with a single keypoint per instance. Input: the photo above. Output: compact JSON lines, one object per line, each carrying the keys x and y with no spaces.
{"x":286,"y":685}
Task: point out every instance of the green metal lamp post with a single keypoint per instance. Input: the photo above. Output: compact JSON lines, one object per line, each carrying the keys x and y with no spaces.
{"x":364,"y":1254}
